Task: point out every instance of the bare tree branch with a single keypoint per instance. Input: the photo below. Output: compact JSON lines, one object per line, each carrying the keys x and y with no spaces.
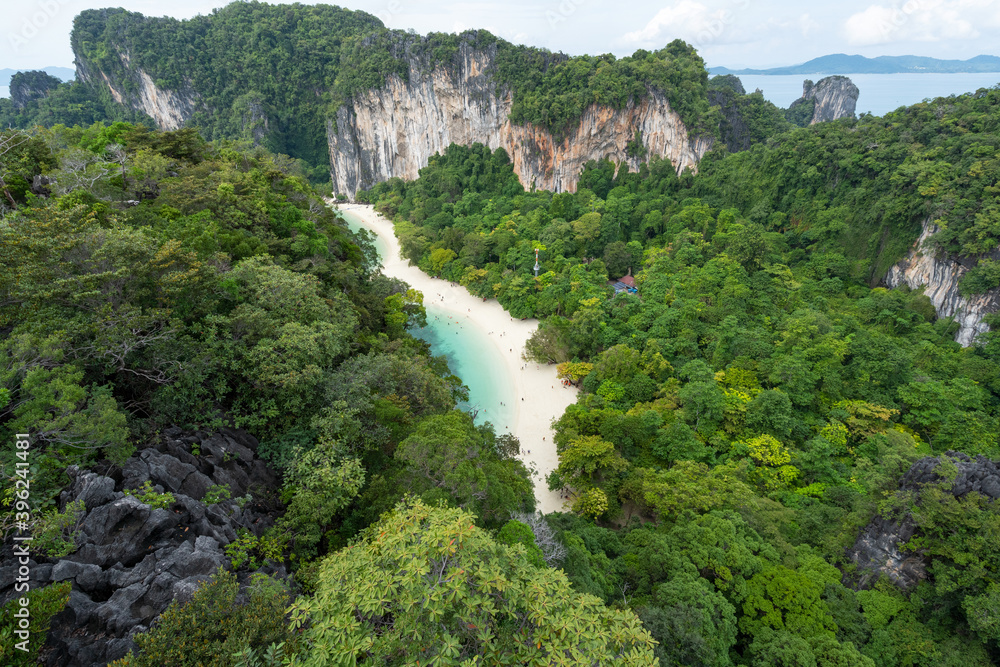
{"x":553,"y":551}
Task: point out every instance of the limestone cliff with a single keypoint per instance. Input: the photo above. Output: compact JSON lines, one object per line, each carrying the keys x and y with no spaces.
{"x":832,"y":98}
{"x":939,"y":275}
{"x":392,"y":131}
{"x":170,"y":109}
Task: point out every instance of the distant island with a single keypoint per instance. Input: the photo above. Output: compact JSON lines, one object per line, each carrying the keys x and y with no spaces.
{"x":62,"y":73}
{"x":841,"y":63}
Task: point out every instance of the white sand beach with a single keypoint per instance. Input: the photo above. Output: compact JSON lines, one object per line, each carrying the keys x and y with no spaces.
{"x":540,"y":395}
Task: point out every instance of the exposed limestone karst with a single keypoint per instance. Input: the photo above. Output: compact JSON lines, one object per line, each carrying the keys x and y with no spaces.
{"x":833,"y":97}
{"x":879,"y":551}
{"x":132,"y":560}
{"x":392,"y":131}
{"x":170,"y":109}
{"x":939,"y":274}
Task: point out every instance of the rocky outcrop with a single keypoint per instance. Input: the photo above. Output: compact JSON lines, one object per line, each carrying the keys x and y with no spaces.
{"x":392,"y":131}
{"x":170,"y":109}
{"x":879,"y":548}
{"x":725,"y":92}
{"x":132,"y":560}
{"x":832,"y":98}
{"x":878,"y":551}
{"x":939,"y":274}
{"x":26,"y":87}
{"x":979,"y":475}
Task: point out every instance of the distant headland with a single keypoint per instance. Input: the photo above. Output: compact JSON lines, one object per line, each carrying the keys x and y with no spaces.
{"x":841,"y":63}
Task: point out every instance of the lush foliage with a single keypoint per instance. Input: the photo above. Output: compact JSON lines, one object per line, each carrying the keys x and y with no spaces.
{"x":43,"y":604}
{"x":161,"y":280}
{"x":40,"y":99}
{"x":426,"y":585}
{"x":741,"y":417}
{"x":747,"y":119}
{"x":751,"y":409}
{"x":867,"y":185}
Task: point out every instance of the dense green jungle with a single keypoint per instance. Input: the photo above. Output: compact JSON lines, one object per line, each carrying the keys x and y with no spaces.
{"x":747,"y":414}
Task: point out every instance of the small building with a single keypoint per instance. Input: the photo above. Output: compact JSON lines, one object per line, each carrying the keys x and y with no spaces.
{"x":624,"y":284}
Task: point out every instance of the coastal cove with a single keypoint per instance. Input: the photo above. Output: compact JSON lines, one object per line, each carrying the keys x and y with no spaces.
{"x":483,"y":346}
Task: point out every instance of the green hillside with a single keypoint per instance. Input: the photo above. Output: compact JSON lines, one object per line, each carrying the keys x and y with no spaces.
{"x":274,"y":74}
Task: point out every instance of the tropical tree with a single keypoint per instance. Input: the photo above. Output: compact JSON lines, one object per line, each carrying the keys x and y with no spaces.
{"x":425,"y":586}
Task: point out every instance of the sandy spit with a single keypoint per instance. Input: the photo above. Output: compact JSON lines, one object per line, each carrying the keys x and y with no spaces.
{"x":540,"y":396}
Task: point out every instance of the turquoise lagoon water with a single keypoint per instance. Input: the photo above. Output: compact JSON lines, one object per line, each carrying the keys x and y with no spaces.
{"x":470,"y":355}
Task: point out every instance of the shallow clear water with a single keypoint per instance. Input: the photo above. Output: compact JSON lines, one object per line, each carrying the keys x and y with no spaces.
{"x":470,"y":354}
{"x":879,"y":93}
{"x":472,"y":357}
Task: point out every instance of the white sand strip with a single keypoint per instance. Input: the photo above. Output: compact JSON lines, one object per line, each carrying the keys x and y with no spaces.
{"x":536,"y":405}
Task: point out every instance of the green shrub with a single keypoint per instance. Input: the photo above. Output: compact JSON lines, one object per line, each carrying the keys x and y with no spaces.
{"x":55,"y":532}
{"x":212,"y":630}
{"x":43,"y":604}
{"x":216,"y":494}
{"x":146,"y":494}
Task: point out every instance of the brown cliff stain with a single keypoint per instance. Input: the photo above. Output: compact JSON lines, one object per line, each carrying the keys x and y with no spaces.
{"x":425,"y":113}
{"x":392,"y":131}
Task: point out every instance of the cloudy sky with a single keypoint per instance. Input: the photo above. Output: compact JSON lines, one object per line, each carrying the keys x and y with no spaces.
{"x":735,"y":33}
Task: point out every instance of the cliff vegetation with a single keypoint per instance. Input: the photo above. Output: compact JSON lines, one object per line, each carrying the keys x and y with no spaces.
{"x":273,"y":74}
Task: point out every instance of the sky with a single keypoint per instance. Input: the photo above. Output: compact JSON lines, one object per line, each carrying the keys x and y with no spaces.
{"x":733,"y":33}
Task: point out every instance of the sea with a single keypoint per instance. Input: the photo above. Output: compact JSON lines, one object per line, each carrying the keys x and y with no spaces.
{"x":4,"y":91}
{"x":878,"y":93}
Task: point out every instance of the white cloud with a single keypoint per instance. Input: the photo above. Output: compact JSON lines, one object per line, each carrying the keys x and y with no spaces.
{"x":808,"y":25}
{"x":687,"y":20}
{"x":920,"y":21}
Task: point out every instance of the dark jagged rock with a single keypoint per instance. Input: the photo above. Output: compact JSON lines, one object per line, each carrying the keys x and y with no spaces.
{"x":132,"y":560}
{"x":832,"y":98}
{"x":980,"y":475}
{"x":877,"y":552}
{"x":878,"y":549}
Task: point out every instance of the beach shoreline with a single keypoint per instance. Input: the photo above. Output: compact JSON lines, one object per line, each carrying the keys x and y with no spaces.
{"x":535,"y":405}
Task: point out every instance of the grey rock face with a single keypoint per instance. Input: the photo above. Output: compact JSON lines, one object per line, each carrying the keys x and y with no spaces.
{"x":878,"y":549}
{"x":834,"y":97}
{"x":171,"y":109}
{"x":132,"y":561}
{"x":939,"y":275}
{"x":394,"y":130}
